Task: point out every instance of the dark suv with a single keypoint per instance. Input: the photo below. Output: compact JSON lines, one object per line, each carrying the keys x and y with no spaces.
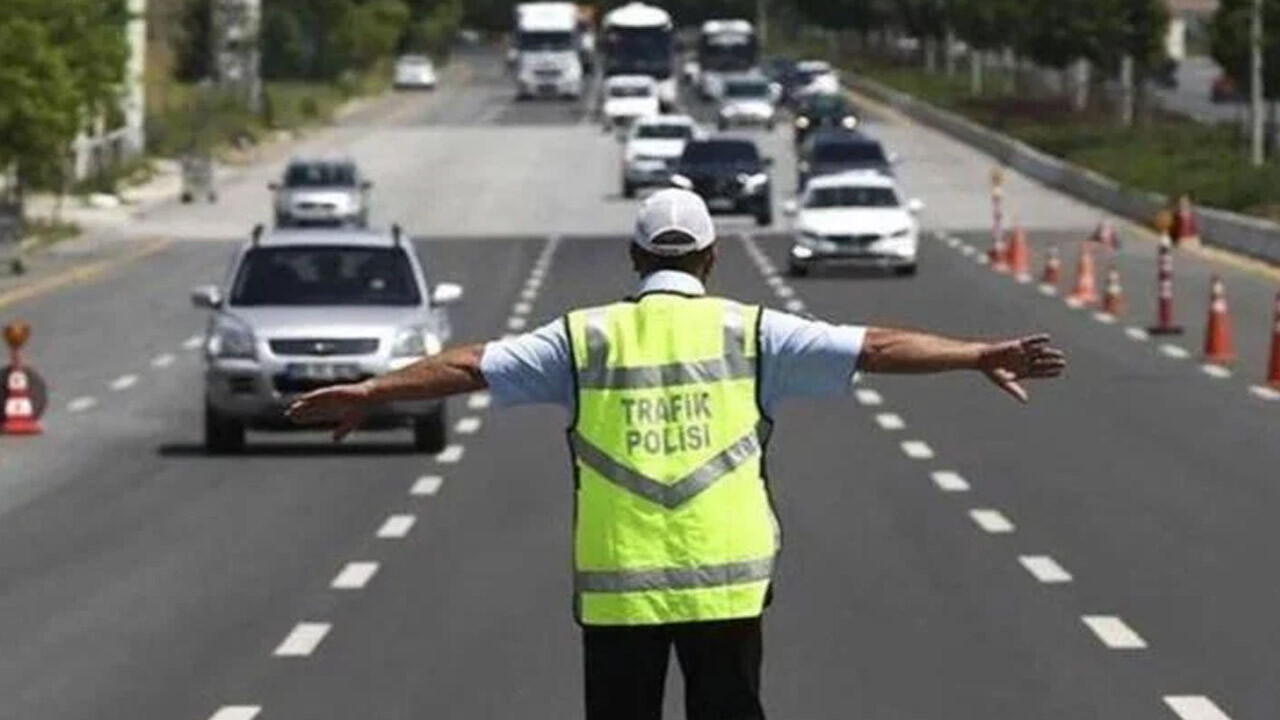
{"x":836,"y":151}
{"x":730,"y":175}
{"x":815,"y":112}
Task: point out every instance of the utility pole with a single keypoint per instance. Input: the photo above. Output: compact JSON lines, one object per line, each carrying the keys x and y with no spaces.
{"x":1256,"y":91}
{"x":762,"y":22}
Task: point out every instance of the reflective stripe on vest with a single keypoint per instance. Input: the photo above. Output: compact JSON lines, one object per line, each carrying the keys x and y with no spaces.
{"x":673,"y":523}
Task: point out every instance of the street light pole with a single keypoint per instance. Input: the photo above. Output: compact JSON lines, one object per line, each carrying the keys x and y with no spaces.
{"x":1256,"y":94}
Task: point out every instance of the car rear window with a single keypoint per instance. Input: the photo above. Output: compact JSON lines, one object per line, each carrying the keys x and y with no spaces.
{"x":672,"y":131}
{"x":852,"y":196}
{"x":849,"y":152}
{"x":746,"y":89}
{"x":720,"y":151}
{"x":826,"y":105}
{"x":320,"y":175}
{"x":325,"y":275}
{"x":630,"y":91}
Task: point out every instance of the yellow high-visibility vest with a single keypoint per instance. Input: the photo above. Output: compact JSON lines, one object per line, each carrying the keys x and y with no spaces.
{"x":673,"y":520}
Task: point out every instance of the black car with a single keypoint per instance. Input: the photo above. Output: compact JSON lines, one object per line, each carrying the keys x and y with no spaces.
{"x":815,"y":112}
{"x":730,"y":174}
{"x":835,"y":151}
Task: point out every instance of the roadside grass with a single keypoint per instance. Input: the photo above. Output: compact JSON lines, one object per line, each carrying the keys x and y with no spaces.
{"x":1162,"y":153}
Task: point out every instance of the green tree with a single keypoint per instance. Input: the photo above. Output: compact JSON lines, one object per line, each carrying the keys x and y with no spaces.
{"x":40,"y":108}
{"x":1229,"y":43}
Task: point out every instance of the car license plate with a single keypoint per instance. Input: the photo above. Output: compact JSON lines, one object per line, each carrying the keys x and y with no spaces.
{"x":546,"y":89}
{"x":720,"y":203}
{"x":323,"y":372}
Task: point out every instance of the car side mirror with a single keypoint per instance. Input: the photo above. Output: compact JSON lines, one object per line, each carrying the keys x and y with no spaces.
{"x":446,"y":294}
{"x":915,"y":206}
{"x":681,"y":181}
{"x":366,"y":184}
{"x":206,"y":297}
{"x":766,"y":162}
{"x":791,"y":208}
{"x":894,"y":158}
{"x":273,"y":186}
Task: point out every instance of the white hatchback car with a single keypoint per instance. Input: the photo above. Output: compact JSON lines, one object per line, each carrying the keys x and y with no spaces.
{"x":628,"y":97}
{"x":652,"y":148}
{"x":854,"y":218}
{"x":415,"y":72}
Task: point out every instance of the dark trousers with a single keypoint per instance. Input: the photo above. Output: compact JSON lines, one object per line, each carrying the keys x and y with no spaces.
{"x":626,"y":670}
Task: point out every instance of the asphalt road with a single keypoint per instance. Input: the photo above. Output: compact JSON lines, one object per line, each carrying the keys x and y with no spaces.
{"x":1105,"y":552}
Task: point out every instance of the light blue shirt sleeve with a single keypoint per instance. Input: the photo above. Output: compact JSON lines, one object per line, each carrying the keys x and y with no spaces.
{"x":806,"y":358}
{"x":535,"y":368}
{"x":799,"y":358}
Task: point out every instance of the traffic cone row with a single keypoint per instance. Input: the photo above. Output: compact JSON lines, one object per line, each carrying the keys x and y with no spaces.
{"x":1019,"y":262}
{"x":1165,"y":324}
{"x":1052,"y":270}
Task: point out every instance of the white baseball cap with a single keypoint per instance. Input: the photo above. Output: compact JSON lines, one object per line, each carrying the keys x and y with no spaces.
{"x":678,"y":220}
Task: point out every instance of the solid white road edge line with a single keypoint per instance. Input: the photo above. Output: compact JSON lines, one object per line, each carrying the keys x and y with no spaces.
{"x":950,"y":481}
{"x":354,"y":576}
{"x":303,"y":639}
{"x":1195,"y":707}
{"x":992,"y":521}
{"x":1113,"y":632}
{"x":451,"y":455}
{"x":427,"y":485}
{"x":890,"y":421}
{"x":396,"y":527}
{"x":917,"y":449}
{"x":1045,"y":569}
{"x":236,"y":712}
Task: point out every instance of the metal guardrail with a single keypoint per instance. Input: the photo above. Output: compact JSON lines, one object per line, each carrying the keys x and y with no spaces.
{"x":1250,"y":236}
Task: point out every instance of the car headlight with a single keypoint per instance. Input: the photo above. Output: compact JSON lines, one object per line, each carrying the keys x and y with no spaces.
{"x":231,"y":338}
{"x":415,"y":341}
{"x":849,"y":122}
{"x":753,"y":183}
{"x":904,"y":232}
{"x":809,"y":238}
{"x":802,"y":122}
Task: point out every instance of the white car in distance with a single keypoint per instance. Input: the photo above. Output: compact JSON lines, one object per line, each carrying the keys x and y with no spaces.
{"x":627,"y":98}
{"x":415,"y":72}
{"x":652,"y":148}
{"x":854,"y":218}
{"x":747,"y":100}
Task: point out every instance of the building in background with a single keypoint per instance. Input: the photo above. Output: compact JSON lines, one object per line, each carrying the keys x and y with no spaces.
{"x":1188,"y":20}
{"x":113,"y":140}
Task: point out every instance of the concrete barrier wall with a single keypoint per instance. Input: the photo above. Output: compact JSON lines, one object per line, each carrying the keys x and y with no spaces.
{"x":1250,"y":236}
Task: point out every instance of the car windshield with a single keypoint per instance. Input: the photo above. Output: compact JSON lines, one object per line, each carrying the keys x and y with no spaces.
{"x":748,"y":89}
{"x":720,"y":152}
{"x":826,"y":106}
{"x":858,"y":152}
{"x":545,"y":40}
{"x":325,"y":275}
{"x":804,"y":76}
{"x":669,"y":131}
{"x":630,"y":91}
{"x":301,"y":175}
{"x":852,"y":196}
{"x":414,"y":61}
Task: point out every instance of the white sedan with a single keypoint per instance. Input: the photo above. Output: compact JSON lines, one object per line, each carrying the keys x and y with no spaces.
{"x":652,"y":148}
{"x":854,"y":218}
{"x":415,"y":72}
{"x":628,"y":97}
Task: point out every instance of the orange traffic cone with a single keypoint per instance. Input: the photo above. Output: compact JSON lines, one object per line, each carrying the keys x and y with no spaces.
{"x":1019,"y":255}
{"x":1052,"y":270}
{"x":1086,"y":288}
{"x":1218,"y":347}
{"x":1113,"y":296}
{"x":998,"y":255}
{"x":19,"y":412}
{"x":1273,"y":367}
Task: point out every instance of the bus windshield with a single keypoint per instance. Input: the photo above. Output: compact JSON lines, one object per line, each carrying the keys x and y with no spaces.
{"x":545,"y":41}
{"x":728,"y":52}
{"x":638,"y":51}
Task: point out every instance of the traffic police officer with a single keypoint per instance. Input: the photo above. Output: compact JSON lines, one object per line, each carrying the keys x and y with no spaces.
{"x":670,"y":392}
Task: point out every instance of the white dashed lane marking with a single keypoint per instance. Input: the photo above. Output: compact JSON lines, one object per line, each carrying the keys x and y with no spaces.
{"x":1137,"y":334}
{"x":124,"y":382}
{"x":795,"y":306}
{"x":1174,"y":351}
{"x":1195,"y":707}
{"x":522,"y":308}
{"x":517,"y":323}
{"x":1265,"y":393}
{"x":236,"y":712}
{"x":467,"y":426}
{"x":81,"y":404}
{"x":1215,"y":371}
{"x":451,"y":454}
{"x":303,"y":640}
{"x":193,"y":342}
{"x":1104,"y":318}
{"x":890,"y":421}
{"x":478,"y":401}
{"x":868,"y":397}
{"x":162,"y":361}
{"x":528,"y":294}
{"x":427,"y":485}
{"x":1113,"y":632}
{"x":396,"y":527}
{"x":917,"y":449}
{"x":992,"y":521}
{"x":1048,"y":290}
{"x":1045,"y":569}
{"x":785,"y":292}
{"x":967,"y":250}
{"x":354,"y":576}
{"x":950,"y":481}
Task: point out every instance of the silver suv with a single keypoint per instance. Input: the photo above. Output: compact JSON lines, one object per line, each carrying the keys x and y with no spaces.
{"x":322,"y":192}
{"x":303,"y":309}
